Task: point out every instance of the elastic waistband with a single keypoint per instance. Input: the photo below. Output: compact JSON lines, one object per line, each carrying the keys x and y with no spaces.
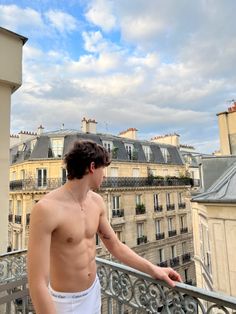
{"x":72,"y":295}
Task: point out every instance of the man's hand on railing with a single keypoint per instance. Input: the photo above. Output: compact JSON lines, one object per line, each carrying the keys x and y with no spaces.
{"x":167,"y":274}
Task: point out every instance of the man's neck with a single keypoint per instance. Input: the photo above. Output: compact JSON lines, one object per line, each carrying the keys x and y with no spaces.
{"x":78,"y":188}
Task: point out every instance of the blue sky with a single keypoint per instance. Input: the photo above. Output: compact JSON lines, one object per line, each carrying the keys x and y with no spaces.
{"x":160,"y":66}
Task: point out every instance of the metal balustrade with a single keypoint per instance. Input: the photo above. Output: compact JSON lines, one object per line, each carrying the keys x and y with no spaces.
{"x":124,"y":290}
{"x":32,"y":184}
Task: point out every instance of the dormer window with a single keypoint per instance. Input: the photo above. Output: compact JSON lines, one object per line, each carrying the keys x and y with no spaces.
{"x":129,"y":148}
{"x":165,"y":154}
{"x":57,"y":147}
{"x":147,"y":152}
{"x":108,"y":145}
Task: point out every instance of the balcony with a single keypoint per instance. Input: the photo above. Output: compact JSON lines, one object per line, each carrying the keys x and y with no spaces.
{"x":158,"y":208}
{"x":174,"y":261}
{"x":184,"y":230}
{"x":170,"y":207}
{"x":18,"y":219}
{"x":109,"y":182}
{"x":163,"y":264}
{"x":140,"y":209}
{"x":182,"y":205}
{"x":160,"y":236}
{"x":124,"y":290}
{"x":186,"y":258}
{"x":141,"y":240}
{"x":172,"y":233}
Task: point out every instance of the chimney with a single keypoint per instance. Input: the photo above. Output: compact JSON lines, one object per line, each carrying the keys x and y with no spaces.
{"x":89,"y":126}
{"x":14,"y":139}
{"x":40,"y":130}
{"x":130,"y":133}
{"x":171,"y":139}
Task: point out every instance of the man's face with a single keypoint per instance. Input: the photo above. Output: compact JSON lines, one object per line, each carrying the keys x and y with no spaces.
{"x":98,"y":176}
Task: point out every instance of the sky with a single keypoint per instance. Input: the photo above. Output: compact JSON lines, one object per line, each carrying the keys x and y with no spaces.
{"x":161,"y":66}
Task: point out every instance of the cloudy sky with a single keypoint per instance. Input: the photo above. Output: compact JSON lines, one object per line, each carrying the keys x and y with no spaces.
{"x":162,"y":66}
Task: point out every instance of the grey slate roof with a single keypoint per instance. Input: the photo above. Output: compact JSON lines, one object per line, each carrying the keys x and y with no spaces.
{"x":42,"y":147}
{"x":222,"y":174}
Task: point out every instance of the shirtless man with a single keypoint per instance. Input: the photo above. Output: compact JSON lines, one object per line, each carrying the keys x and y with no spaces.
{"x":61,"y":253}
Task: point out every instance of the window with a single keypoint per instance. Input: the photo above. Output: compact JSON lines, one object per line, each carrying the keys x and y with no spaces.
{"x":156,"y":200}
{"x":147,"y":152}
{"x":161,"y":255}
{"x":57,"y":147}
{"x":173,"y":251}
{"x":183,"y":222}
{"x":22,"y":174}
{"x":129,"y":148}
{"x":170,"y":224}
{"x":108,"y":145}
{"x":186,"y":275}
{"x":19,"y":207}
{"x":10,"y":206}
{"x":180,"y":196}
{"x":165,"y":154}
{"x":140,"y":227}
{"x":158,"y":226}
{"x":116,"y":202}
{"x":168,"y":198}
{"x":114,"y":172}
{"x":138,"y":199}
{"x":135,"y":172}
{"x":32,"y":144}
{"x":42,"y":177}
{"x":184,"y":247}
{"x":14,"y":175}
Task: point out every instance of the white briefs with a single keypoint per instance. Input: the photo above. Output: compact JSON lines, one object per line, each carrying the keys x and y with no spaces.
{"x":84,"y":302}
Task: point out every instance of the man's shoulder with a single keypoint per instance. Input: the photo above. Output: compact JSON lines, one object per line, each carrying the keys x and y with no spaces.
{"x":95,"y":196}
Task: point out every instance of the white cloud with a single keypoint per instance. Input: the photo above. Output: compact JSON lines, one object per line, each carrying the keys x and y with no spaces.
{"x":99,"y":13}
{"x":62,"y":21}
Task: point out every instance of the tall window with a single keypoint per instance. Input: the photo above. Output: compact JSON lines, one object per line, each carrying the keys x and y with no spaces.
{"x":147,"y":152}
{"x":138,"y":199}
{"x":108,"y":145}
{"x":168,"y":198}
{"x":161,"y":255}
{"x":116,"y":202}
{"x":19,"y":207}
{"x":173,"y":251}
{"x":129,"y":148}
{"x":42,"y":177}
{"x":183,"y":221}
{"x":170,"y":224}
{"x":140,"y":227}
{"x":180,"y":196}
{"x":156,"y":200}
{"x":114,"y":172}
{"x":158,"y":226}
{"x":165,"y":154}
{"x":22,"y":174}
{"x":57,"y":146}
{"x":184,"y":247}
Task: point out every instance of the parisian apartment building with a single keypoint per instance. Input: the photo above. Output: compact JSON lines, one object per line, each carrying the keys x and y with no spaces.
{"x":147,"y":191}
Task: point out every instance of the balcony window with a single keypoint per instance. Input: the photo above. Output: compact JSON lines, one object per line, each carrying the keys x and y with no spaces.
{"x":183,"y":222}
{"x":158,"y":225}
{"x":41,"y":177}
{"x":138,"y":199}
{"x":168,"y":198}
{"x":19,"y":207}
{"x":161,"y":255}
{"x":173,"y":251}
{"x":116,"y":202}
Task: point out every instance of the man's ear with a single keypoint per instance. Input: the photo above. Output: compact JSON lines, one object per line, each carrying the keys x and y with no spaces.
{"x":92,"y":167}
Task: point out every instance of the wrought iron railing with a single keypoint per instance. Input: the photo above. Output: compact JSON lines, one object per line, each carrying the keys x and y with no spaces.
{"x":109,"y":182}
{"x":124,"y":290}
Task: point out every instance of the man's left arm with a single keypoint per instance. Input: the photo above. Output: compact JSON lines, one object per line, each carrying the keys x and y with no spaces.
{"x":127,"y":256}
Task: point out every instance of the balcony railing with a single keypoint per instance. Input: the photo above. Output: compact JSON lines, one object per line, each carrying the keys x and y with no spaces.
{"x":142,"y":239}
{"x":160,"y":236}
{"x":184,"y":230}
{"x":124,"y":290}
{"x":163,"y":264}
{"x":158,"y":208}
{"x":182,"y":205}
{"x":172,"y":233}
{"x":117,"y":213}
{"x":18,"y":219}
{"x":170,"y":206}
{"x":174,"y":261}
{"x":186,"y":257}
{"x":109,"y":182}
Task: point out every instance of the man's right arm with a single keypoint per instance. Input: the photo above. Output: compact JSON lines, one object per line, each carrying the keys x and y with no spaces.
{"x":42,"y":224}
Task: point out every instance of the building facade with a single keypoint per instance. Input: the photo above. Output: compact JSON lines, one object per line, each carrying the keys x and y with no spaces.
{"x":146,"y":193}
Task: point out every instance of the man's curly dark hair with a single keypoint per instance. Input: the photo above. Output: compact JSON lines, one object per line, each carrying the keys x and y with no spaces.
{"x":79,"y":158}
